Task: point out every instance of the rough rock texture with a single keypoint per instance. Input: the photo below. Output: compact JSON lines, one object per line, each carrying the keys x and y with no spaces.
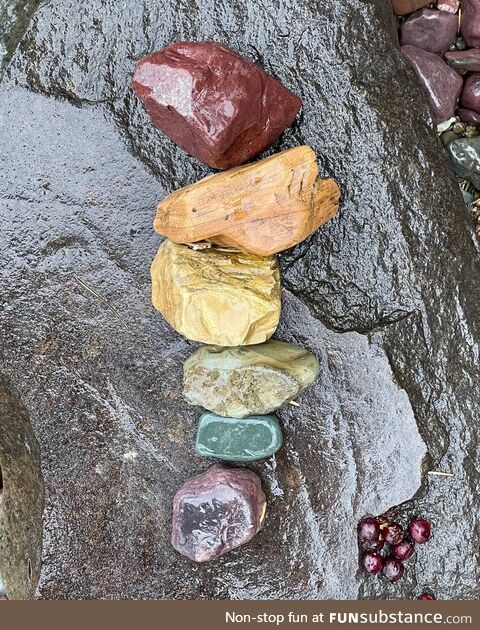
{"x":430,"y":30}
{"x":238,"y":440}
{"x":217,"y":297}
{"x":260,"y":208}
{"x":397,"y":267}
{"x":217,"y":511}
{"x":214,"y":103}
{"x":442,"y":84}
{"x":241,"y":381}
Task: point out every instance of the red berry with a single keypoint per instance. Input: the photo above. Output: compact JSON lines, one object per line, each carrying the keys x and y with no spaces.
{"x":372,"y":562}
{"x":419,"y":529}
{"x":393,"y":569}
{"x":368,"y":530}
{"x":427,"y":596}
{"x":393,"y":533}
{"x":403,"y":550}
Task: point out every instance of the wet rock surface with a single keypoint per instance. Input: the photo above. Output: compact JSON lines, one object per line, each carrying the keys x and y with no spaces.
{"x":465,"y":156}
{"x":395,"y":274}
{"x":430,"y":30}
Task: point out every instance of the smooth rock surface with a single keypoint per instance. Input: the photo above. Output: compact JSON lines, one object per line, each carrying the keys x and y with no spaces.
{"x":261,"y":208}
{"x":441,"y":83}
{"x":238,"y":440}
{"x":470,"y":24}
{"x":465,"y":156}
{"x":103,"y":392}
{"x":430,"y":30}
{"x":239,"y":382}
{"x":403,"y":7}
{"x":216,"y":297}
{"x":470,"y":117}
{"x":217,"y":511}
{"x":214,"y":103}
{"x":470,"y":98}
{"x":468,"y":60}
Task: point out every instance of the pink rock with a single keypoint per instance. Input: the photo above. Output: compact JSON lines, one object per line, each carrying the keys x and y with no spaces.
{"x":464,"y":59}
{"x":430,"y":30}
{"x":470,"y":98}
{"x":442,"y":84}
{"x":450,"y":6}
{"x":470,"y":26}
{"x":215,"y":104}
{"x":470,"y":117}
{"x":216,"y":512}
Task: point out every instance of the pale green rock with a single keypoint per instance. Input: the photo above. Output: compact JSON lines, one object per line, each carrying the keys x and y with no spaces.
{"x":237,"y":439}
{"x":243,"y":381}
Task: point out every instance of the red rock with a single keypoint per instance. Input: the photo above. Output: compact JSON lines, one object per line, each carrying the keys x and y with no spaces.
{"x":449,"y":6}
{"x":214,"y":103}
{"x":470,"y":98}
{"x":470,"y":26}
{"x":216,"y":512}
{"x":464,"y":59}
{"x":430,"y":30}
{"x":470,"y":117}
{"x":442,"y":84}
{"x":402,"y":7}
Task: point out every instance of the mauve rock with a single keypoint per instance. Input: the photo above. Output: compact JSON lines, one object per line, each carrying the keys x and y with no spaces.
{"x":464,"y":59}
{"x":216,"y":512}
{"x":402,"y":7}
{"x":470,"y":117}
{"x":442,"y":84}
{"x":430,"y":30}
{"x":214,"y":103}
{"x":470,"y":98}
{"x":470,"y":25}
{"x":450,"y":6}
{"x":465,"y":156}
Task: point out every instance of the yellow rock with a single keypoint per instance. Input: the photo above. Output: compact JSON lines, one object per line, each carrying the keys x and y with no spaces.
{"x":260,"y":208}
{"x":217,"y":297}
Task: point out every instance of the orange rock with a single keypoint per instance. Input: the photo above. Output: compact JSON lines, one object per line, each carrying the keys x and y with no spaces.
{"x":260,"y":208}
{"x":402,"y":7}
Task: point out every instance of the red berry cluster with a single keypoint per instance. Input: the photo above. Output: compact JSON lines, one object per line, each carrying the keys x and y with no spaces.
{"x":385,"y":545}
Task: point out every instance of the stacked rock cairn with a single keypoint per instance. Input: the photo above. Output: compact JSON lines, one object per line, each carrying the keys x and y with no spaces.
{"x":216,"y":280}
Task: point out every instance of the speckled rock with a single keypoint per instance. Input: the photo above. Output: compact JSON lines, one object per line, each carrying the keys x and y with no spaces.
{"x":216,"y":297}
{"x":238,"y":440}
{"x":470,"y":98}
{"x":468,"y":60}
{"x":470,"y":24}
{"x":239,"y":382}
{"x":214,"y":103}
{"x":430,"y":30}
{"x":387,"y":298}
{"x":465,"y":156}
{"x":441,"y":83}
{"x":217,"y":511}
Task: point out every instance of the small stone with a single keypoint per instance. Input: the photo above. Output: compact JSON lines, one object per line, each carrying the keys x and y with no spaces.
{"x":470,"y":98}
{"x":468,"y":60}
{"x":430,"y":30}
{"x":471,"y":131}
{"x":239,"y":382}
{"x":217,"y":297}
{"x":467,"y":197}
{"x":446,"y":124}
{"x":214,"y":103}
{"x":216,"y":512}
{"x":450,"y":6}
{"x":261,"y":208}
{"x":470,"y":25}
{"x":238,"y":440}
{"x":441,"y":83}
{"x":403,"y":7}
{"x":447,"y":137}
{"x":458,"y":127}
{"x":460,"y":44}
{"x":465,"y":156}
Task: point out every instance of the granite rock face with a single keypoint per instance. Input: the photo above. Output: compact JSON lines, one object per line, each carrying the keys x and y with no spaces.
{"x":441,"y":83}
{"x":387,"y":298}
{"x":217,"y":297}
{"x":242,"y":381}
{"x":217,"y":511}
{"x":212,"y":102}
{"x":430,"y":30}
{"x":262,"y":208}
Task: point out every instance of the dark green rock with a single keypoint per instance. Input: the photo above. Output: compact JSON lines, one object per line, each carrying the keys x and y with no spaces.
{"x":238,"y":440}
{"x":465,"y":156}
